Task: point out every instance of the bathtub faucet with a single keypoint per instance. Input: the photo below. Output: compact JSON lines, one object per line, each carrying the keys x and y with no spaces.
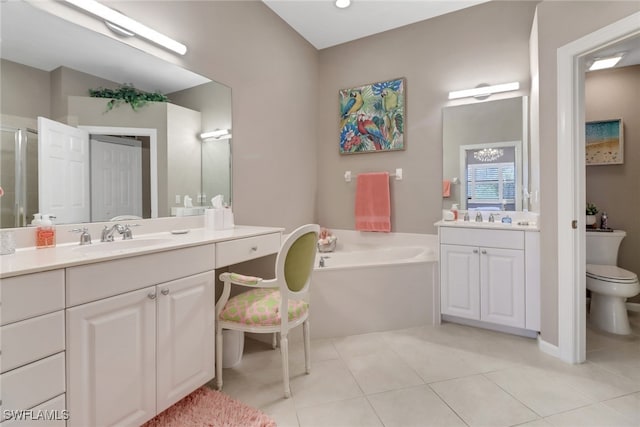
{"x":321,"y":262}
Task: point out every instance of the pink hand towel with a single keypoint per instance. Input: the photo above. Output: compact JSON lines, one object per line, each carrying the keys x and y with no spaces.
{"x":373,"y":203}
{"x":446,"y":188}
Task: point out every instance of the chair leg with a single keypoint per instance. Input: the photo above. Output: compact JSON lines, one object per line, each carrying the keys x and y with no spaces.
{"x":307,"y":346}
{"x":274,"y":340}
{"x":219,"y":358}
{"x":284,"y":351}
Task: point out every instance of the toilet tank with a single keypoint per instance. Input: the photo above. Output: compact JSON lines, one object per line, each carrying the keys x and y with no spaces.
{"x":602,"y":247}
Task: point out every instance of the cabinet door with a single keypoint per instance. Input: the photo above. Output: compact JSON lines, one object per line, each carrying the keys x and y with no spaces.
{"x":111,"y":367}
{"x":186,"y":335}
{"x":502,"y":286}
{"x":460,"y":274}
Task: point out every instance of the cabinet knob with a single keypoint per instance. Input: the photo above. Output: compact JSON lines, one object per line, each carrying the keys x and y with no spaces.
{"x":165,"y":292}
{"x":484,"y":251}
{"x":151,"y":295}
{"x":254,"y":248}
{"x":475,"y":251}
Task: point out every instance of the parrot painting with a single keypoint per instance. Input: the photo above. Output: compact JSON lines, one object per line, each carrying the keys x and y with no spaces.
{"x":389,"y":100}
{"x":368,"y":127}
{"x":353,"y":104}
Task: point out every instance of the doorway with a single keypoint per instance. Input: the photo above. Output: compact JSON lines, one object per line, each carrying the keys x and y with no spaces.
{"x":571,"y":182}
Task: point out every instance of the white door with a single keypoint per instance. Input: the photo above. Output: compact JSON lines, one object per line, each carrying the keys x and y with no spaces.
{"x":116,"y":178}
{"x":502,"y":286}
{"x":460,"y":278}
{"x":186,"y":333}
{"x":63,"y":171}
{"x":111,"y":360}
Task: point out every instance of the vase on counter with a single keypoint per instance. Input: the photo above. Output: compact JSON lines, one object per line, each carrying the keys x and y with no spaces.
{"x":591,"y":220}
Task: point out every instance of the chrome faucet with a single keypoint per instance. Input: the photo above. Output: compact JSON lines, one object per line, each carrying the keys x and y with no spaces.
{"x":107,"y":232}
{"x":492,"y":218}
{"x":85,"y":237}
{"x":478,"y":217}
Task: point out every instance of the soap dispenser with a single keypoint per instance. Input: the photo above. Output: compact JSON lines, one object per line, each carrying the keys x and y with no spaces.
{"x":46,"y":232}
{"x":454,"y":209}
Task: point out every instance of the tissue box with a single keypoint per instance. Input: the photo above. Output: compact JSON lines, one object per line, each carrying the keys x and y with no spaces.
{"x":214,"y":219}
{"x":227,"y":219}
{"x":218,"y":219}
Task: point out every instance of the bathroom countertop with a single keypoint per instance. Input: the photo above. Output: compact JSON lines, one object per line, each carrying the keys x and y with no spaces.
{"x":32,"y":260}
{"x":533,"y":226}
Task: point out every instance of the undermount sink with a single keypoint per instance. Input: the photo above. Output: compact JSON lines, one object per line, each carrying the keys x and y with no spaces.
{"x":119,"y":245}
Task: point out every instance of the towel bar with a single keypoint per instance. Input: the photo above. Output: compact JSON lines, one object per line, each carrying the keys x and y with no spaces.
{"x":397,"y":175}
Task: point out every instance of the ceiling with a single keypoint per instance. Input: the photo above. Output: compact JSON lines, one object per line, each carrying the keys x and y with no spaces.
{"x":312,"y":19}
{"x":324,"y":25}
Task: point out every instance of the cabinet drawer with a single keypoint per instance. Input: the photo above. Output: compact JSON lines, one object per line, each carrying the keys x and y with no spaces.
{"x":33,"y":384}
{"x":92,"y":282}
{"x":55,"y":409}
{"x":32,"y":339}
{"x":507,"y":239}
{"x":31,"y":295}
{"x":235,"y":251}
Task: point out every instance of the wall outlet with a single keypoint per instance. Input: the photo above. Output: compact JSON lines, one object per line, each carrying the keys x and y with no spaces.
{"x":177,"y":199}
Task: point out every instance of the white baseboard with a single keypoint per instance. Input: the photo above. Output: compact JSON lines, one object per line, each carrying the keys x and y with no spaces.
{"x":550,"y":349}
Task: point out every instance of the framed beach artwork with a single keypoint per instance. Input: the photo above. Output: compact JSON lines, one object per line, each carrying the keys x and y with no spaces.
{"x":604,"y":144}
{"x":372,"y":117}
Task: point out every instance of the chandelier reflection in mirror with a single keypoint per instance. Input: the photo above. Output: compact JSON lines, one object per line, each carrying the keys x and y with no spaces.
{"x":488,"y":154}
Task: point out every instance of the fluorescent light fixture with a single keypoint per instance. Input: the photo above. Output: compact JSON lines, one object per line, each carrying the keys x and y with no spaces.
{"x":484,"y":90}
{"x":216,"y":134}
{"x":341,"y":4}
{"x":126,"y":23}
{"x":601,"y":64}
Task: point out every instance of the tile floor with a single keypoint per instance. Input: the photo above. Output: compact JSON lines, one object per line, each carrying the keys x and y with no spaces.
{"x":449,"y":375}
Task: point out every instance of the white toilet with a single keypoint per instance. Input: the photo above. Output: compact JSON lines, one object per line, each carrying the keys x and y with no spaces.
{"x":610,"y":285}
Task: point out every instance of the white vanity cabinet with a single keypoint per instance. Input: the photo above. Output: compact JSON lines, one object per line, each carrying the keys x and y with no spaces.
{"x":101,"y":337}
{"x":130,"y":356}
{"x":490,"y":275}
{"x":33,"y":345}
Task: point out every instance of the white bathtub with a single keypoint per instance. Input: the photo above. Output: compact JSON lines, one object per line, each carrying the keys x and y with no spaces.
{"x":375,"y":282}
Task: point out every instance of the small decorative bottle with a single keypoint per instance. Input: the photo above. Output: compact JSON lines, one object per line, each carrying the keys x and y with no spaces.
{"x":604,"y":219}
{"x":454,"y":209}
{"x":46,"y":233}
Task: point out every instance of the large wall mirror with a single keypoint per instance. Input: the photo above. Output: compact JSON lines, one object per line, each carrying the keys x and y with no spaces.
{"x":485,"y":155}
{"x":141,"y":163}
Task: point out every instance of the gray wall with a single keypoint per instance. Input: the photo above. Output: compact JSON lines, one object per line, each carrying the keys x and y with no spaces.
{"x":67,"y":82}
{"x":24,"y":100}
{"x":615,"y":94}
{"x":451,"y":52}
{"x":559,"y":23}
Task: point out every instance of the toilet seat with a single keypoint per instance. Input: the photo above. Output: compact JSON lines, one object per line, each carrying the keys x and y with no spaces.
{"x":610,"y":273}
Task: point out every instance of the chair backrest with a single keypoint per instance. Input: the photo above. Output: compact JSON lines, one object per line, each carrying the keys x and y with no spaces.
{"x":297,"y":255}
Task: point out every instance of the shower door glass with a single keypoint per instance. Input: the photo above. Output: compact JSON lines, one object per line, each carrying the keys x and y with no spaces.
{"x":18,"y":176}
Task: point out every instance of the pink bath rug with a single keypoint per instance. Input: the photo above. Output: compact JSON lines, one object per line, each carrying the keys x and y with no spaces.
{"x":210,"y":408}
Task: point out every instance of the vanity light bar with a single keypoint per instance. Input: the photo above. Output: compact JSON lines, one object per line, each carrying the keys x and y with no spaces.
{"x":117,"y":18}
{"x":484,"y":90}
{"x":217,"y":134}
{"x":601,"y":64}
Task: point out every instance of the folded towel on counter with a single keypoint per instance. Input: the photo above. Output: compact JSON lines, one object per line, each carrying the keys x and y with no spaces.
{"x":373,"y":202}
{"x":446,"y":188}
